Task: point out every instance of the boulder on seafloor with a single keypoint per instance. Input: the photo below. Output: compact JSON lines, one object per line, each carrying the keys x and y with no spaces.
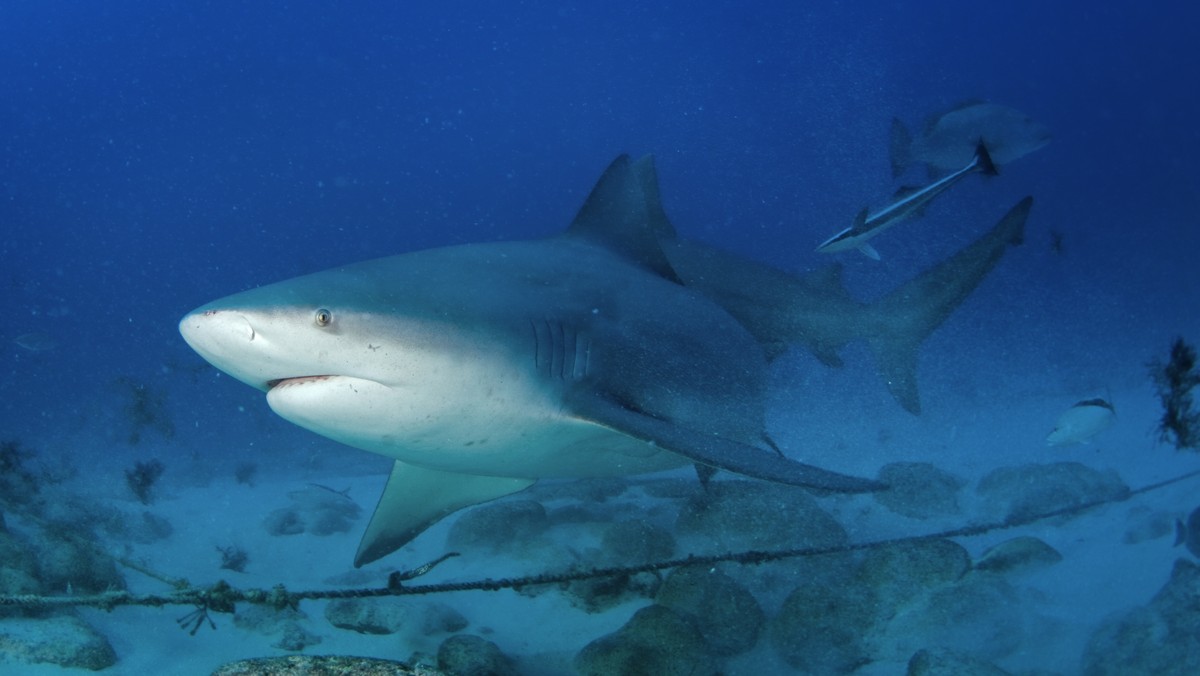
{"x":656,"y":640}
{"x":1027,"y":491}
{"x":18,"y":569}
{"x":919,"y":490}
{"x":1162,"y":637}
{"x":471,"y":655}
{"x":505,"y":526}
{"x":942,"y":662}
{"x":630,"y":542}
{"x":63,"y":640}
{"x":286,"y":623}
{"x":322,"y":665}
{"x":1022,"y":554}
{"x":727,"y":616}
{"x":821,"y":628}
{"x":439,"y":618}
{"x":903,"y":571}
{"x":66,"y":561}
{"x":739,"y":515}
{"x":978,"y":615}
{"x":377,"y":615}
{"x":315,"y":509}
{"x":1145,"y":524}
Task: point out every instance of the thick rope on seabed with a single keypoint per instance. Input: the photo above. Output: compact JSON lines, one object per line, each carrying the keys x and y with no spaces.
{"x":222,"y":598}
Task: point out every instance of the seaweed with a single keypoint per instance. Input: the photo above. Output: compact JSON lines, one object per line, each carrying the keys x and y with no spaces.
{"x":245,"y":472}
{"x":18,"y":486}
{"x":142,"y":477}
{"x":146,"y":409}
{"x":1174,"y":381}
{"x":233,"y":558}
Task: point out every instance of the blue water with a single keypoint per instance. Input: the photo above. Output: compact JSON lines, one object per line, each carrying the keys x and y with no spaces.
{"x":158,"y":155}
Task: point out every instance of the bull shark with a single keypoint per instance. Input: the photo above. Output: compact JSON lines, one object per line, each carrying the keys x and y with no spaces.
{"x":909,"y":203}
{"x":613,"y":348}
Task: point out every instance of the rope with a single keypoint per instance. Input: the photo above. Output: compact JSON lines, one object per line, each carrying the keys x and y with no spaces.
{"x":221,"y":597}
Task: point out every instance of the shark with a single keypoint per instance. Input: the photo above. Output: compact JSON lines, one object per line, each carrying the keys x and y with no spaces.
{"x":612,"y":348}
{"x":909,"y":203}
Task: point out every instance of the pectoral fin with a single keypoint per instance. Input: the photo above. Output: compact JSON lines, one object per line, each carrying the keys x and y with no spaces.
{"x":415,"y":498}
{"x":713,"y":450}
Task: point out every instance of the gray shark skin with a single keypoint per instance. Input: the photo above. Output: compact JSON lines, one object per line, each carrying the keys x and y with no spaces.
{"x":482,"y":368}
{"x":818,"y":312}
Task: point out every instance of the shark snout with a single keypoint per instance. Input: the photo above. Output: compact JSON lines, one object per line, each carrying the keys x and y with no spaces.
{"x":227,"y":340}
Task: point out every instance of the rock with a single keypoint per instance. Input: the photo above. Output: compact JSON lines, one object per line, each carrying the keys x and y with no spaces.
{"x":295,"y":638}
{"x":821,"y":628}
{"x":1162,"y":637}
{"x":738,"y":515}
{"x":592,"y":490}
{"x":149,"y":528}
{"x":285,"y":521}
{"x":727,"y":616}
{"x":1017,"y":493}
{"x":63,"y":640}
{"x":67,"y":563}
{"x":919,"y":490}
{"x":1021,"y":554}
{"x":322,"y":665}
{"x":368,"y":615}
{"x":439,"y":618}
{"x":508,"y":525}
{"x":285,"y":622}
{"x":469,"y":655}
{"x":979,"y":615}
{"x":941,"y":662}
{"x":597,"y":594}
{"x":656,"y":640}
{"x":1145,"y":525}
{"x":903,"y":571}
{"x":18,"y":569}
{"x":314,"y":509}
{"x":631,"y":542}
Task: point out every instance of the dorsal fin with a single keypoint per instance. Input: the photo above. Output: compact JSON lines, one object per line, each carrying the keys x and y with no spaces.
{"x":657,"y":215}
{"x":617,"y":216}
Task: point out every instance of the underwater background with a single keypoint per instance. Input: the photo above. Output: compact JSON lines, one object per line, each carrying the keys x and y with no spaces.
{"x":158,"y":155}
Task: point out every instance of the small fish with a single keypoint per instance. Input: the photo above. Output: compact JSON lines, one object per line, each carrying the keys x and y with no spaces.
{"x":910,"y":203}
{"x":949,"y":139}
{"x":1081,"y":422}
{"x":35,"y":342}
{"x":1189,"y":533}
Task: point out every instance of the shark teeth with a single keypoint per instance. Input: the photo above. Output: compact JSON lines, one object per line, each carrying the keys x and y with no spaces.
{"x":297,"y":380}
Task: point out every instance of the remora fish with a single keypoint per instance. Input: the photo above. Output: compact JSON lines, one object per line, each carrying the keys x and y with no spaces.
{"x":1081,"y":422}
{"x":611,"y":349}
{"x":910,"y":203}
{"x":948,"y":140}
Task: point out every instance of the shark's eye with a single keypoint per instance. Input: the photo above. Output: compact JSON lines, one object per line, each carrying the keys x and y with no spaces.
{"x":323,"y":317}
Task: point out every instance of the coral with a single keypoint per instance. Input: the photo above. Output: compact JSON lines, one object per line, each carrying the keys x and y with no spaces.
{"x":146,"y":409}
{"x":245,"y":472}
{"x":1173,"y":382}
{"x":142,"y":477}
{"x":233,"y":558}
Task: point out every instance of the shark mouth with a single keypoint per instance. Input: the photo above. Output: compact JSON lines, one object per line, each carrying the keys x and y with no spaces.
{"x":298,"y":380}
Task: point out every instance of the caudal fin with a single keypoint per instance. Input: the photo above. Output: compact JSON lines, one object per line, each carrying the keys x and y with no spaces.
{"x":900,"y":148}
{"x":903,"y":319}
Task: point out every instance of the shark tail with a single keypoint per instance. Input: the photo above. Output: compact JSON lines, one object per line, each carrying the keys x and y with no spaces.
{"x":903,"y":319}
{"x":900,"y":148}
